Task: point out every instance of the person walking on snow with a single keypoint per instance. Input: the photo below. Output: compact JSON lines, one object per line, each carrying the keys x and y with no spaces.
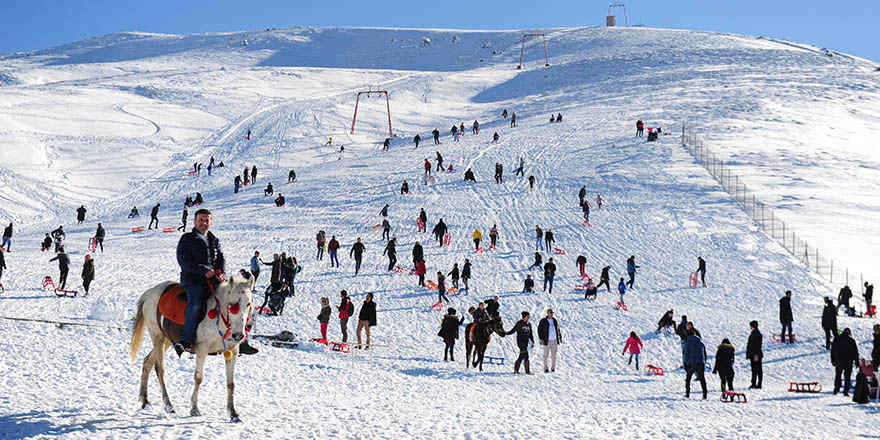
{"x":320,"y":238}
{"x":63,"y":267}
{"x":441,"y":288}
{"x":436,"y":134}
{"x":548,"y":238}
{"x":418,"y":253}
{"x":581,"y":263}
{"x":550,"y":336}
{"x":391,"y":251}
{"x":844,"y":355}
{"x":701,"y":269}
{"x":466,"y":273}
{"x":599,"y":201}
{"x":695,"y":357}
{"x":254,"y":174}
{"x":581,"y":194}
{"x":634,"y":345}
{"x":346,"y":310}
{"x":477,"y":237}
{"x":604,"y":278}
{"x":785,"y":316}
{"x":255,"y":266}
{"x":504,"y":114}
{"x":454,"y":275}
{"x":440,"y":231}
{"x":427,"y":167}
{"x":237,"y":183}
{"x":493,"y":236}
{"x":621,"y":289}
{"x":631,"y":270}
{"x":421,"y":270}
{"x":99,"y":237}
{"x":333,"y":249}
{"x":586,"y":209}
{"x":513,"y":120}
{"x":80,"y":214}
{"x":549,"y":273}
{"x":640,"y":128}
{"x":539,"y":235}
{"x":416,"y":141}
{"x":7,"y":237}
{"x":539,"y":261}
{"x":386,"y":229}
{"x":869,"y":297}
{"x":183,"y":218}
{"x":3,"y":264}
{"x":88,"y":273}
{"x":523,"y":331}
{"x":476,"y":127}
{"x":357,"y":250}
{"x":154,"y":216}
{"x":449,"y":332}
{"x":520,"y":170}
{"x":439,"y":162}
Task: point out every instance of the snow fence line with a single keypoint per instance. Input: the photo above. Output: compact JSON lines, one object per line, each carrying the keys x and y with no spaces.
{"x":764,"y":216}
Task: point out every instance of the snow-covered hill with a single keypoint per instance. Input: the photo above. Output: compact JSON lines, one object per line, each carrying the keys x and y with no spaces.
{"x":117,"y":120}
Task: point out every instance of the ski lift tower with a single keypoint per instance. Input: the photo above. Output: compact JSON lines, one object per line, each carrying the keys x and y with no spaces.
{"x":611,"y":20}
{"x":370,"y":92}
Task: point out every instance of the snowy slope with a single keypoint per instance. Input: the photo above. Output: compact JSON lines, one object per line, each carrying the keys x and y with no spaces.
{"x":117,"y":120}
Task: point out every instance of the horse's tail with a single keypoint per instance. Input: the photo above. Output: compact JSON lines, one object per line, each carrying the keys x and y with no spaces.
{"x":137,"y":335}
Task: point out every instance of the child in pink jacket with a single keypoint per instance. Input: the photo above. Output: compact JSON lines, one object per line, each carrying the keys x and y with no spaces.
{"x":634,"y":345}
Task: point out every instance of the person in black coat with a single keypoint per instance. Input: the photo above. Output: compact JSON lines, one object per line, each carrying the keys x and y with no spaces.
{"x":875,"y":353}
{"x":843,"y":297}
{"x":724,"y":364}
{"x":523,"y":331}
{"x":449,"y":332}
{"x":701,"y":269}
{"x":80,"y":214}
{"x":357,"y":250}
{"x":581,"y":262}
{"x":63,"y":267}
{"x":666,"y":321}
{"x":439,"y":231}
{"x":829,"y":322}
{"x":201,"y":259}
{"x":785,"y":316}
{"x":844,"y":355}
{"x":391,"y":250}
{"x":755,"y":355}
{"x":154,"y":216}
{"x":466,"y":273}
{"x":7,"y":235}
{"x":603,"y":279}
{"x":99,"y":237}
{"x":366,"y":319}
{"x":549,"y":273}
{"x":869,"y":297}
{"x":528,"y":284}
{"x":418,"y":253}
{"x":492,"y":306}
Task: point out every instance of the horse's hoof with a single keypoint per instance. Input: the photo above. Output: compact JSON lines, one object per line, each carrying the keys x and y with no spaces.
{"x":169,"y":409}
{"x":145,"y":405}
{"x":235,"y":419}
{"x":195,"y":412}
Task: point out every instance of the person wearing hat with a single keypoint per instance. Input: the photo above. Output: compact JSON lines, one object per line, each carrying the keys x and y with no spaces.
{"x":829,"y":322}
{"x":550,"y":336}
{"x":88,"y":273}
{"x":523,"y":331}
{"x":755,"y":355}
{"x":449,"y":332}
{"x":844,"y":354}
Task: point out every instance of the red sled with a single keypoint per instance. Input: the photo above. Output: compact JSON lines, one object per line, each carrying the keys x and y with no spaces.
{"x":49,"y":286}
{"x":172,"y":229}
{"x":447,"y":239}
{"x":778,"y":337}
{"x":190,"y":173}
{"x":620,"y":306}
{"x":730,"y":396}
{"x":431,"y":285}
{"x":651,"y":370}
{"x":491,"y":248}
{"x":341,"y":347}
{"x":804,"y":387}
{"x":587,"y":223}
{"x":437,"y":306}
{"x":376,"y":226}
{"x":420,"y":224}
{"x":93,"y":244}
{"x":138,"y":229}
{"x":558,"y":251}
{"x":479,"y":251}
{"x":693,"y":279}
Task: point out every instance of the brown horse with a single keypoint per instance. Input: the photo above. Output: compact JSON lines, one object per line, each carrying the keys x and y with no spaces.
{"x":234,"y":306}
{"x":477,"y":336}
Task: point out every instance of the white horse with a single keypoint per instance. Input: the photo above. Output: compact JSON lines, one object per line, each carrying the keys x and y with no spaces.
{"x":223,"y":329}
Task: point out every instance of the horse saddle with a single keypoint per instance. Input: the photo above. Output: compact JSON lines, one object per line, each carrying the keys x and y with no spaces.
{"x":172,"y":311}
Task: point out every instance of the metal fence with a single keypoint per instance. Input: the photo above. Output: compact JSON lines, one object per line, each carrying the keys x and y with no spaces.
{"x":766,"y":218}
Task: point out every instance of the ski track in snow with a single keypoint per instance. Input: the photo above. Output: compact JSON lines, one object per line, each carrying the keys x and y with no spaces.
{"x":661,"y":206}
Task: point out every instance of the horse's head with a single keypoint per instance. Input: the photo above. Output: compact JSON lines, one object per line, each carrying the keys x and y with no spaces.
{"x":236,"y":303}
{"x":497,"y":326}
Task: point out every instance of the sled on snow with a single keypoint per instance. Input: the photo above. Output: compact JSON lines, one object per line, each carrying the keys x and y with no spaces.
{"x":778,"y":337}
{"x":438,"y":306}
{"x":401,"y":269}
{"x":342,"y":347}
{"x":171,"y":229}
{"x":376,"y":226}
{"x":730,"y":396}
{"x":693,"y":280}
{"x":652,"y":370}
{"x":431,"y":285}
{"x":559,"y":251}
{"x":49,"y":286}
{"x":493,"y":360}
{"x":138,"y":229}
{"x":93,"y":244}
{"x":479,"y":251}
{"x":804,"y":387}
{"x":620,"y":306}
{"x":447,"y":239}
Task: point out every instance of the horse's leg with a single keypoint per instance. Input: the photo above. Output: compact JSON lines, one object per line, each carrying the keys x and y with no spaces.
{"x":201,"y":354}
{"x":145,"y":375}
{"x":230,"y":386}
{"x":482,"y":353}
{"x":160,"y":346}
{"x":467,"y":348}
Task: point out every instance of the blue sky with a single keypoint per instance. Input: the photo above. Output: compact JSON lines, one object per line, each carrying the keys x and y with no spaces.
{"x":849,"y":27}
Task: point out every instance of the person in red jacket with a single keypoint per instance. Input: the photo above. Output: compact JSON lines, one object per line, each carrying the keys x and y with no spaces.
{"x":346,"y":309}
{"x":420,"y":271}
{"x":634,"y":345}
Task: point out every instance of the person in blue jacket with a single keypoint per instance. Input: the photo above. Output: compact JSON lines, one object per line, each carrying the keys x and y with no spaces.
{"x":201,"y":261}
{"x":695,"y":362}
{"x":621,"y":289}
{"x":631,"y":270}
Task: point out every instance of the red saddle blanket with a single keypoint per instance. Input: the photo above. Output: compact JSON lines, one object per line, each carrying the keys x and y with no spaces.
{"x":172,"y":304}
